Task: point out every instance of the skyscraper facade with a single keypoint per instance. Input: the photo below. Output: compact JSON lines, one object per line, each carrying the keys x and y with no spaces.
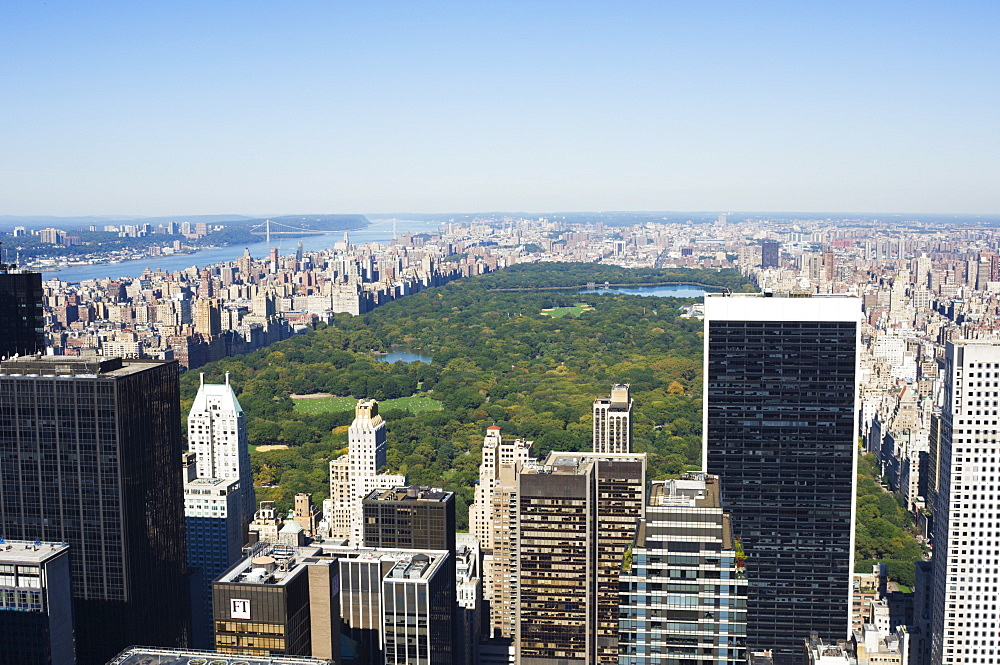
{"x":416,"y":518}
{"x":22,"y":329}
{"x":683,"y":587}
{"x":966,"y":513}
{"x":576,"y":516}
{"x":36,"y":604}
{"x":88,"y":456}
{"x":396,"y":604}
{"x":219,"y":498}
{"x":355,"y":475}
{"x":490,"y":518}
{"x":217,"y":435}
{"x":769,"y":254}
{"x":780,"y":428}
{"x":613,"y":421}
{"x":410,"y":518}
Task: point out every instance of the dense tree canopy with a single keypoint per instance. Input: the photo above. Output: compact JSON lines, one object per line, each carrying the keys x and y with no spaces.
{"x":496,"y":359}
{"x":884,"y":531}
{"x":551,"y":275}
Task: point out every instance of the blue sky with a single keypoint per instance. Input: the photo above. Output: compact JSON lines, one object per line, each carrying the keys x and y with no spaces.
{"x":376,"y":106}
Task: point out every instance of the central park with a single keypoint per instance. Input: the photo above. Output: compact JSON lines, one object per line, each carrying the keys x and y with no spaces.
{"x":518,"y":349}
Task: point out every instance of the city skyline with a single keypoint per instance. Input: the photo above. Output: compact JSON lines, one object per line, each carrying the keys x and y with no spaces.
{"x":131,"y":109}
{"x":780,"y":369}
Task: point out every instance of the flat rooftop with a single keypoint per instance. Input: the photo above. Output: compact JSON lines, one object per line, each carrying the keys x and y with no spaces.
{"x":411,"y":493}
{"x":692,"y":490}
{"x":577,"y":463}
{"x":270,"y":565}
{"x":215,"y":486}
{"x":158,"y":656}
{"x":402,"y":564}
{"x":782,"y":307}
{"x":28,"y":551}
{"x":83,"y":366}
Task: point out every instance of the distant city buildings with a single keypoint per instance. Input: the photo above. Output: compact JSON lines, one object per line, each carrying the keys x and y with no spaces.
{"x":769,"y":254}
{"x":780,"y":431}
{"x":777,"y":404}
{"x":22,"y":320}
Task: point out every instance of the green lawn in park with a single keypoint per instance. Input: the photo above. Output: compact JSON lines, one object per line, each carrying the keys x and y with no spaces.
{"x":559,"y":312}
{"x":413,"y":404}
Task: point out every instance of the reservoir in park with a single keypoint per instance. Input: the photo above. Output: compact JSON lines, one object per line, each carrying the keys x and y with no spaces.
{"x":665,"y":291}
{"x":403,"y":354}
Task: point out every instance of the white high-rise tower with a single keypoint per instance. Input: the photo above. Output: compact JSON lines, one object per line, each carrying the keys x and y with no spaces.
{"x":967,"y":512}
{"x":219,"y":496}
{"x":217,"y":435}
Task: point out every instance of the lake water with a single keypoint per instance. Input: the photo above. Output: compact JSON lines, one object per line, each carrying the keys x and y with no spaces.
{"x":379,"y":231}
{"x":670,"y":290}
{"x":405,"y":355}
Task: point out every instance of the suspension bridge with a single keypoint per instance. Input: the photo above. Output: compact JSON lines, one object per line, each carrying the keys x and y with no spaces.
{"x":265,"y":229}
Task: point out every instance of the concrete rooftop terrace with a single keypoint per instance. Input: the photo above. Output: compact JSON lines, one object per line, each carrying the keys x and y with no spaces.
{"x":27,"y":551}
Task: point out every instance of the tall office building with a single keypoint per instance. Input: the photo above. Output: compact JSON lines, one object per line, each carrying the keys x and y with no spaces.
{"x":217,"y":435}
{"x":219,"y":498}
{"x":613,"y":421}
{"x":769,"y":254}
{"x":501,"y":460}
{"x":577,"y":514}
{"x":496,"y":452}
{"x":36,"y":604}
{"x":410,"y":518}
{"x":22,"y":327}
{"x":415,"y":518}
{"x":501,"y":580}
{"x":278,"y":601}
{"x":88,"y":456}
{"x":208,"y":316}
{"x":966,"y":513}
{"x":780,"y":432}
{"x":683,"y":549}
{"x":355,"y":475}
{"x":396,"y":604}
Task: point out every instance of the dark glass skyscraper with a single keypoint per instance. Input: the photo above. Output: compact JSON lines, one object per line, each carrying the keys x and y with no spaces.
{"x":21,"y":321}
{"x":410,"y":518}
{"x":88,"y":456}
{"x":780,"y":432}
{"x":769,"y":254}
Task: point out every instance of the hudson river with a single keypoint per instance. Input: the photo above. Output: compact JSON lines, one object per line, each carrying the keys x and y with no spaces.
{"x":380,"y":231}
